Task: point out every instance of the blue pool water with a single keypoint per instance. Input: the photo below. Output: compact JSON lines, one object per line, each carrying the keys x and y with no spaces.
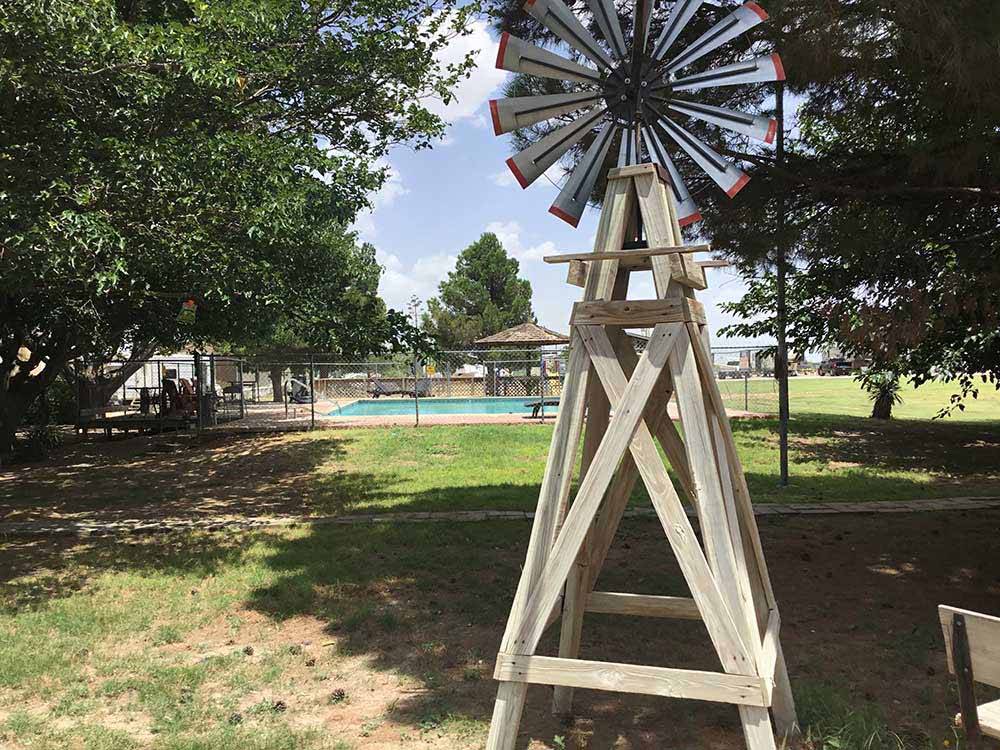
{"x":372,"y":407}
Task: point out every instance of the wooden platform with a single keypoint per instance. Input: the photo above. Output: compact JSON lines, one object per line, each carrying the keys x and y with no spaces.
{"x":137,"y":422}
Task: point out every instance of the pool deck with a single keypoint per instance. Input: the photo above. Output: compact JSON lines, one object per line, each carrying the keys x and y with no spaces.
{"x":267,"y":417}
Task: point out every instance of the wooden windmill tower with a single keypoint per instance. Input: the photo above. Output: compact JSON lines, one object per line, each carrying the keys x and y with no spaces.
{"x":617,"y":399}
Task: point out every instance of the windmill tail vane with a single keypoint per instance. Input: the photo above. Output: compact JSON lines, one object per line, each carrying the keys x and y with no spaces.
{"x":634,"y":90}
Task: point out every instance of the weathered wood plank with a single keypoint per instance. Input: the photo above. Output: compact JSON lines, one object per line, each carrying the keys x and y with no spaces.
{"x":629,"y":257}
{"x":643,"y":605}
{"x":984,"y":642}
{"x":643,"y":313}
{"x":631,"y":678}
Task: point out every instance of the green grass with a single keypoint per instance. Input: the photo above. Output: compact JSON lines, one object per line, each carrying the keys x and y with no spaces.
{"x":84,"y":634}
{"x":833,"y":459}
{"x":841,"y":396}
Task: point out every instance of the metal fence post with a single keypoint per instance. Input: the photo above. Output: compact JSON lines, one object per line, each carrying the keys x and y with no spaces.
{"x":239,"y":374}
{"x":746,"y":392}
{"x":312,"y":395}
{"x":210,"y":396}
{"x":198,"y":389}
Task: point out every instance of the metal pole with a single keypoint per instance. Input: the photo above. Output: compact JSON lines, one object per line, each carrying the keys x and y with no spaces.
{"x":781,"y":360}
{"x":541,"y":383}
{"x":211,"y":379}
{"x":746,"y":392}
{"x":312,"y":396}
{"x":239,"y":374}
{"x":198,"y":388}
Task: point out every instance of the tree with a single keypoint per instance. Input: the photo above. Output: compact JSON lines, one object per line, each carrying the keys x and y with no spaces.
{"x":481,"y":296}
{"x":892,"y":189}
{"x":158,"y":150}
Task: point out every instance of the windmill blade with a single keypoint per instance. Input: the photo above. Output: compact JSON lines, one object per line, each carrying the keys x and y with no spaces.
{"x":572,"y":199}
{"x":680,"y":15}
{"x":642,"y":16}
{"x":755,"y":126}
{"x":738,"y":22}
{"x":606,"y":16}
{"x":723,"y":172}
{"x":627,"y":155}
{"x":687,"y":209}
{"x":519,"y":56}
{"x":528,"y":165}
{"x":758,"y":70}
{"x":556,"y":16}
{"x":521,"y":111}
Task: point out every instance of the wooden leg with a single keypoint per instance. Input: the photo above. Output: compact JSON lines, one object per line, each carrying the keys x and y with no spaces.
{"x":786,"y":721}
{"x":506,"y":715}
{"x":575,"y":604}
{"x":963,"y":675}
{"x":757,"y":728}
{"x":575,"y":596}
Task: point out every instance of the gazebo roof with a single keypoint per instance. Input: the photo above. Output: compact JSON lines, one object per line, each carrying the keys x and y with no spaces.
{"x":526,"y":334}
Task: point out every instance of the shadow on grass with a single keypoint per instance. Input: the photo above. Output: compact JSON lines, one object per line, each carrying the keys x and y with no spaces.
{"x":941,"y":446}
{"x":182,"y":477}
{"x":177,"y":476}
{"x":426,"y":603}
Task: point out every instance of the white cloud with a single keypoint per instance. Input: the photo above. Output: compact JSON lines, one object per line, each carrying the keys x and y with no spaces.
{"x":384,"y":197}
{"x":503,"y":178}
{"x":473,"y":92}
{"x":400,"y":281}
{"x":509,"y":234}
{"x":548,"y":179}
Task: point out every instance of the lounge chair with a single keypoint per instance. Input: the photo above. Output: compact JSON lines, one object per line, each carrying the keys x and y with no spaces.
{"x":536,"y":406}
{"x":299,"y":393}
{"x":378,"y":388}
{"x":421,"y":389}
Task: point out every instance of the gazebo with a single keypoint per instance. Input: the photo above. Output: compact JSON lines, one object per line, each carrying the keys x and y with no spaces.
{"x":523,"y":336}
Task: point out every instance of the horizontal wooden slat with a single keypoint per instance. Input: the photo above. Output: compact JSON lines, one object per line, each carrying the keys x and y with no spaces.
{"x":631,"y":678}
{"x":643,"y":605}
{"x":989,"y":718}
{"x":984,"y":643}
{"x":633,"y":170}
{"x":643,"y":313}
{"x":713,"y":263}
{"x":628,"y":256}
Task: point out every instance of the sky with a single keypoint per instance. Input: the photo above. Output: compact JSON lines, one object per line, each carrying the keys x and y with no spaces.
{"x":438,"y":201}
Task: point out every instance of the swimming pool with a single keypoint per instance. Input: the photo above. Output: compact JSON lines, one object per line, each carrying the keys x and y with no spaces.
{"x":381,"y":407}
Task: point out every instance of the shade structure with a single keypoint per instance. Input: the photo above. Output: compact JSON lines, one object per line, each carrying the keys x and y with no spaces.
{"x":525,"y":334}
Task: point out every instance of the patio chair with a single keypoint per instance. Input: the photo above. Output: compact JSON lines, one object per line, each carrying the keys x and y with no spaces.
{"x":972,"y":643}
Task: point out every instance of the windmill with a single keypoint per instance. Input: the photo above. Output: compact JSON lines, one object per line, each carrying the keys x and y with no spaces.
{"x":639,"y":92}
{"x":616,"y":398}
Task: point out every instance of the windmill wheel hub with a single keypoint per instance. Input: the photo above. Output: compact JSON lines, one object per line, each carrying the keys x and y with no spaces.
{"x":623,"y":92}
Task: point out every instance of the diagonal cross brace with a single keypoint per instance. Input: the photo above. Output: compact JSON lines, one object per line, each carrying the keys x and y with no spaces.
{"x":714,"y":611}
{"x":628,"y":415}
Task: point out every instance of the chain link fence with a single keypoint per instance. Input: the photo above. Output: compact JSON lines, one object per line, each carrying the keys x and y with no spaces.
{"x":198,"y":391}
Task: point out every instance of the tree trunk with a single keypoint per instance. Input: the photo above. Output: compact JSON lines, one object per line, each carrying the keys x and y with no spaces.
{"x":276,"y":374}
{"x":882,"y":408}
{"x":94,"y":390}
{"x":19,"y":389}
{"x":12,"y":409}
